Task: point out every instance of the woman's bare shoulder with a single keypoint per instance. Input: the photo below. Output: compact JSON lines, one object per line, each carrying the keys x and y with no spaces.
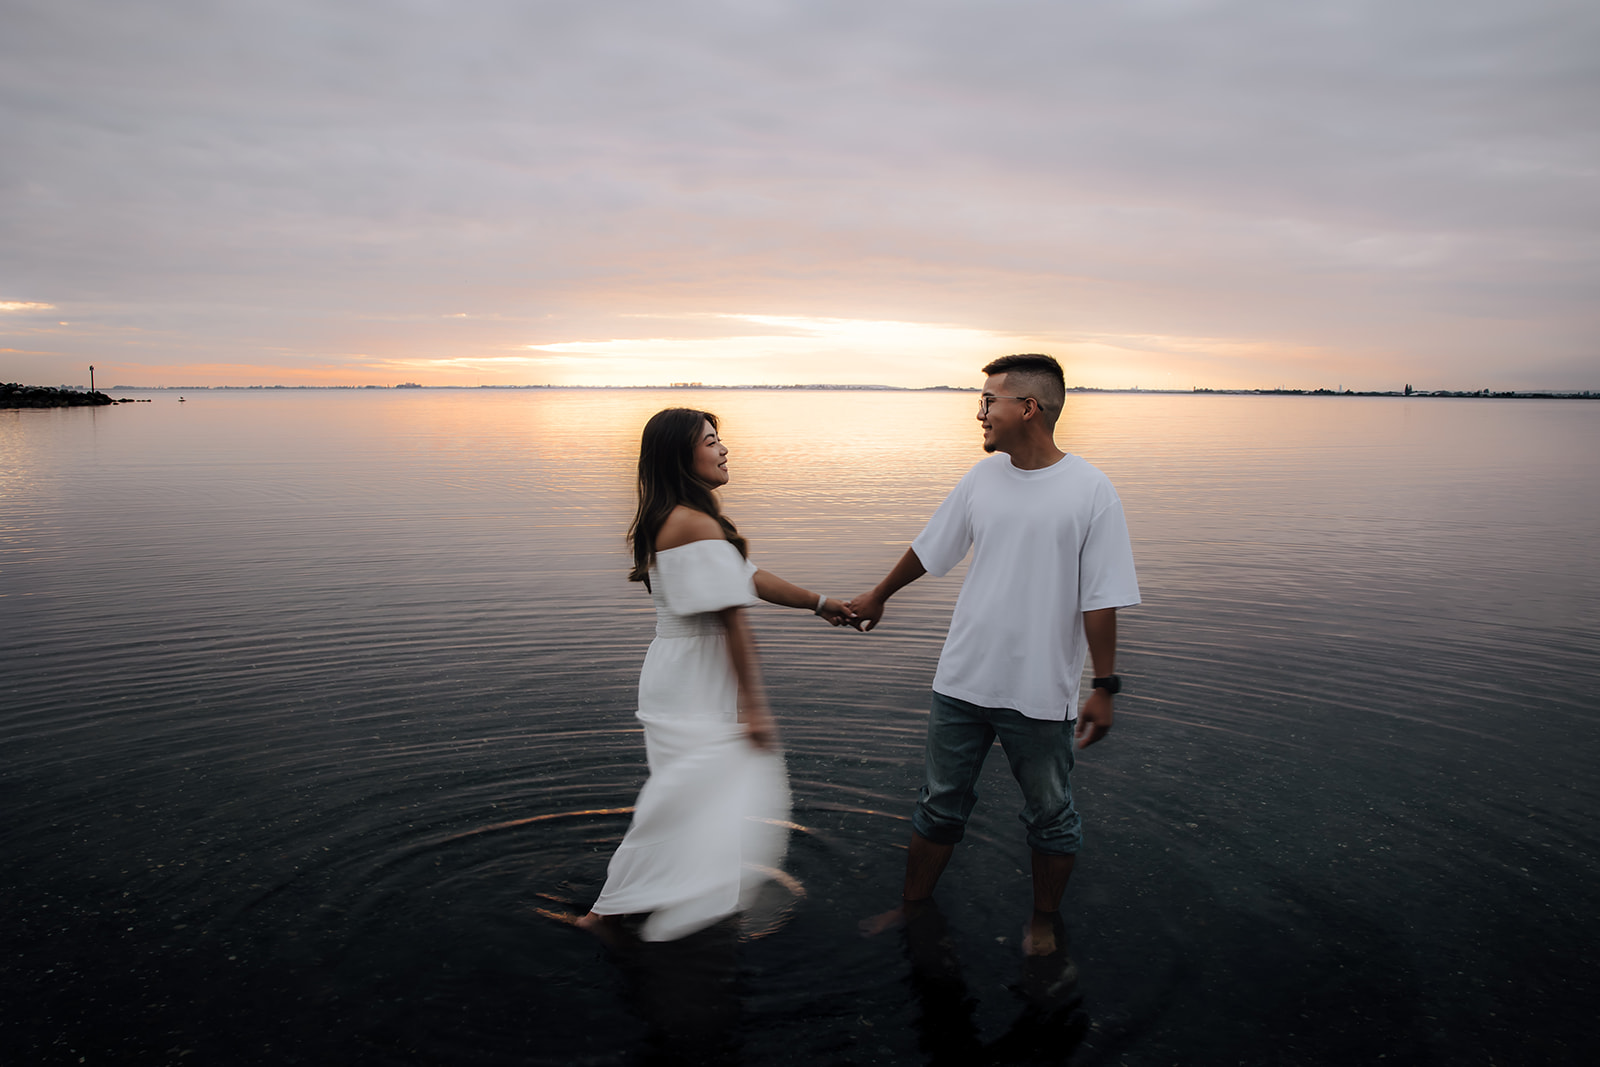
{"x":684,"y":526}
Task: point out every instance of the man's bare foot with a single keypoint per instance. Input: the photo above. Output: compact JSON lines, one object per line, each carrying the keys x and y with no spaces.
{"x":608,"y":928}
{"x":874,"y":925}
{"x":1039,"y":935}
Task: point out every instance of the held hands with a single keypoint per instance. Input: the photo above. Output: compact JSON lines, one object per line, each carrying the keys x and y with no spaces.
{"x":866,"y":611}
{"x":1094,"y":718}
{"x":837,"y":613}
{"x":869,"y":605}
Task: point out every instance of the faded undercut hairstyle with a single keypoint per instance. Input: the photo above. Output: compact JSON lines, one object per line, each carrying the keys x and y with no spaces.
{"x":1036,"y":375}
{"x":666,"y":479}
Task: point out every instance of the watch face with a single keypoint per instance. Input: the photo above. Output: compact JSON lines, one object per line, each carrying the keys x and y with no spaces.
{"x":1111,"y":684}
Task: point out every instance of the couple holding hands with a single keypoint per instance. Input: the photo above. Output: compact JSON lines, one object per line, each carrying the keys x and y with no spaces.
{"x":1051,"y":564}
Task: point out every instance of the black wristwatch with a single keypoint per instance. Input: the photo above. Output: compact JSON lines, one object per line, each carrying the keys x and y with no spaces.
{"x":1111,"y":683}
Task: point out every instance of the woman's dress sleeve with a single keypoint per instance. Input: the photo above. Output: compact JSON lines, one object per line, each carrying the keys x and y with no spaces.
{"x":704,"y":576}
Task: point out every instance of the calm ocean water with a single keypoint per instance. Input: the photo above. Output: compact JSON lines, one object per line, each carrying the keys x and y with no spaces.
{"x":316,"y":715}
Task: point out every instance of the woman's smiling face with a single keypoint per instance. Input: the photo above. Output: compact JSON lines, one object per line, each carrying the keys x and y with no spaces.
{"x":710,"y":457}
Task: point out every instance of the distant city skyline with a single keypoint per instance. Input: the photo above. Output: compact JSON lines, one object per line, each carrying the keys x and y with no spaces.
{"x":1161,"y":194}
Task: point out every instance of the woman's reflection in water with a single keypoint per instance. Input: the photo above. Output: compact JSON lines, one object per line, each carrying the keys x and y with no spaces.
{"x":685,"y":992}
{"x":1050,"y":1027}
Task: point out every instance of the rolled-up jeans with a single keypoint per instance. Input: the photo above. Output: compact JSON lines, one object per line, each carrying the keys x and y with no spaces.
{"x":1039,"y":751}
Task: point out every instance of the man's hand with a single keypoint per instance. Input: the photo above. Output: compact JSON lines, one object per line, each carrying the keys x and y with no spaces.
{"x":868,"y":607}
{"x":866,"y":611}
{"x":1094,"y":718}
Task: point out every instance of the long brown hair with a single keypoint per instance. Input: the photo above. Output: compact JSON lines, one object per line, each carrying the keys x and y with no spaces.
{"x":666,"y":479}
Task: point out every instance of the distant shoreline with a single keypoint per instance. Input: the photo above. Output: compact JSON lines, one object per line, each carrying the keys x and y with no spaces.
{"x":1484,"y":394}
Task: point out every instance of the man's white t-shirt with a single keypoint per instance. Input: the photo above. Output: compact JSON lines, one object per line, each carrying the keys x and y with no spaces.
{"x":1049,"y":545}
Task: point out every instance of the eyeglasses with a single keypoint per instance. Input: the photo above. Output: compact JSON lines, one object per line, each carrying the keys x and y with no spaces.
{"x":988,"y":398}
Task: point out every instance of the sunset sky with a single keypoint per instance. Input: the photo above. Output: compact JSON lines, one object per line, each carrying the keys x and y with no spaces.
{"x":1162,"y":193}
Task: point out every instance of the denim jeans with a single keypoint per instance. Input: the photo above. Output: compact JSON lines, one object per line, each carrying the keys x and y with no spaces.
{"x":1039,"y":751}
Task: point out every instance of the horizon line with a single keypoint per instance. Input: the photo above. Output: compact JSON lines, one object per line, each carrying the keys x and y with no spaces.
{"x":1573,"y":393}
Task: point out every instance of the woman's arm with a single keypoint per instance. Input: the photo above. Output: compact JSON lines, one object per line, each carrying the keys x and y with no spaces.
{"x":753,"y":712}
{"x":775,"y":590}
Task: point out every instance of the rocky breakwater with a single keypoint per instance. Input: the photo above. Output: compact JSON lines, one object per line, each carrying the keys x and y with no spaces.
{"x":13,"y":395}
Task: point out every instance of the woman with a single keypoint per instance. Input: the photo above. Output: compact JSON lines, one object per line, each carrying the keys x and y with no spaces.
{"x":710,"y":816}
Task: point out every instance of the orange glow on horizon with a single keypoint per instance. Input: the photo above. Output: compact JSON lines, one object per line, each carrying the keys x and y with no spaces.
{"x":746,"y":350}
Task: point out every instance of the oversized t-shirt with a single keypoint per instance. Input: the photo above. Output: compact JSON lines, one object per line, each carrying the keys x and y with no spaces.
{"x":1047,"y":545}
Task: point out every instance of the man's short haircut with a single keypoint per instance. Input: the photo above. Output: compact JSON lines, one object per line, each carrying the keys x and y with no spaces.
{"x":1037,"y":375}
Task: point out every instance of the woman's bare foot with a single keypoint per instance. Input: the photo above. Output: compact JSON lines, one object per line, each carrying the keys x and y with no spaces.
{"x":608,"y":928}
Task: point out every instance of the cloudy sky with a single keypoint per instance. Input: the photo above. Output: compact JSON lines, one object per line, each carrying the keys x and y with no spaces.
{"x":1162,"y":193}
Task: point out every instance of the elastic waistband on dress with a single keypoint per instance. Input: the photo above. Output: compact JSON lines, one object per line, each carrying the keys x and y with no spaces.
{"x":688,"y":625}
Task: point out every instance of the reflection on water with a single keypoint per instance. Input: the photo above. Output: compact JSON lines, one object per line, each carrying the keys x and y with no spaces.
{"x":316,"y":712}
{"x":686,"y":991}
{"x":1051,"y":1023}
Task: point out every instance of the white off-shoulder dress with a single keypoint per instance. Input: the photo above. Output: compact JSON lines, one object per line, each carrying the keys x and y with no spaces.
{"x":711,"y":819}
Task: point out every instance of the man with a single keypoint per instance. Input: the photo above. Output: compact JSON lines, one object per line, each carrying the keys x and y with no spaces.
{"x":1051,"y":565}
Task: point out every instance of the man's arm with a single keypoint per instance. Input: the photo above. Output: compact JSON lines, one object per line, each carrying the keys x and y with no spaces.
{"x":868,"y":607}
{"x":1094,"y":718}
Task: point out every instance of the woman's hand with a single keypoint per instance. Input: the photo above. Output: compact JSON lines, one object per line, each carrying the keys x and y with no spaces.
{"x":759,"y":727}
{"x":837,"y":612}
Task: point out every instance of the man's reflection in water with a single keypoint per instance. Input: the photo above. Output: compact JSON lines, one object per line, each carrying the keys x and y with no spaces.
{"x":1050,"y":1027}
{"x":685,"y":991}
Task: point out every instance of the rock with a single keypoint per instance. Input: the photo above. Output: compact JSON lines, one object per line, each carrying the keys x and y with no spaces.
{"x":13,"y":395}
